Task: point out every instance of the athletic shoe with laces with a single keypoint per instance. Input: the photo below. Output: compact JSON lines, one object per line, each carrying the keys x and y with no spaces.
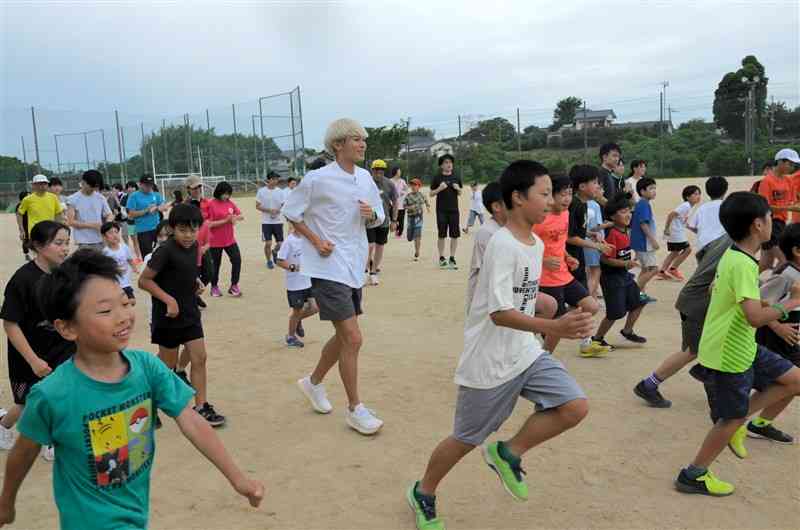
{"x":736,"y":443}
{"x":274,"y":255}
{"x":234,"y":290}
{"x":215,"y":292}
{"x":210,"y":415}
{"x":510,"y":474}
{"x":362,"y":420}
{"x":705,"y":484}
{"x":653,"y":397}
{"x":48,"y":453}
{"x":424,"y":508}
{"x":769,"y":432}
{"x":675,"y":273}
{"x":373,"y":279}
{"x":452,"y":264}
{"x":633,"y":337}
{"x":316,"y":395}
{"x":442,"y":263}
{"x":7,"y":438}
{"x":646,"y":299}
{"x":593,"y":349}
{"x":270,"y":265}
{"x":602,"y":342}
{"x":301,"y":332}
{"x":294,"y":342}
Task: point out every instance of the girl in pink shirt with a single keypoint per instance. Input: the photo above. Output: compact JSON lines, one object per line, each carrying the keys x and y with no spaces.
{"x":222,"y":214}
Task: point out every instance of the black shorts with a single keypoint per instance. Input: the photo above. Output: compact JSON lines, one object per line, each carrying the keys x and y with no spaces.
{"x":691,"y":331}
{"x":129,"y":291}
{"x":379,"y":236}
{"x":297,"y":299}
{"x":22,"y":382}
{"x":778,"y":227}
{"x":447,"y":223}
{"x":268,"y":231}
{"x":337,"y":302}
{"x":770,"y":340}
{"x":173,"y":337}
{"x":621,"y":297}
{"x":677,"y":247}
{"x":729,"y":394}
{"x":566,"y":295}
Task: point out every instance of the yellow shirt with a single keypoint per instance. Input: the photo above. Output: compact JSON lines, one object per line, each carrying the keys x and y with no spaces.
{"x":40,"y":208}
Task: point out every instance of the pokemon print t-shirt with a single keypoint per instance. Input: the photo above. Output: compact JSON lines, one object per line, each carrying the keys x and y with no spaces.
{"x":103,"y":438}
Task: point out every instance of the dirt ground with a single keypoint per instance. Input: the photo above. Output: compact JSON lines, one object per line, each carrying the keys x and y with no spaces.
{"x":614,"y":471}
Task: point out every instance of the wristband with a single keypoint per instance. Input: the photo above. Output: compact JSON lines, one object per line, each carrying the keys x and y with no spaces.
{"x":782,"y":309}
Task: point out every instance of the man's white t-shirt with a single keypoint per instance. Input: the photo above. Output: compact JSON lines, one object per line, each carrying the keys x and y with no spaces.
{"x":706,"y":221}
{"x":482,"y":237}
{"x":123,"y":256}
{"x":677,"y":229}
{"x":508,"y":279}
{"x":477,"y":202}
{"x":292,"y":251}
{"x":271,"y":199}
{"x":88,"y":209}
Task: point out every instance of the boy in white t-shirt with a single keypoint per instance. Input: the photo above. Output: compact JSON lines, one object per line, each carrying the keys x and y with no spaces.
{"x":502,"y":359}
{"x":705,"y":220}
{"x":675,"y":234}
{"x":115,"y":248}
{"x":269,"y":201}
{"x":298,"y":289}
{"x":475,"y":207}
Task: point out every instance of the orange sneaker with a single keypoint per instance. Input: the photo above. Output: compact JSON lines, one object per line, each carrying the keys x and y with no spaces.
{"x":675,"y":273}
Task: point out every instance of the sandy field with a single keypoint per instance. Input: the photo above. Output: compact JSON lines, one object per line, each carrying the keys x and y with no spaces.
{"x":614,"y":471}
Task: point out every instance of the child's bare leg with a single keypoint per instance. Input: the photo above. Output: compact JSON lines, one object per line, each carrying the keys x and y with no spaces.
{"x":787,"y":387}
{"x":715,"y":442}
{"x":11,"y":417}
{"x":668,"y":261}
{"x":645,"y":276}
{"x":680,"y":258}
{"x":294,"y":319}
{"x":183,"y":360}
{"x":546,"y":306}
{"x":417,"y":245}
{"x":136,"y":252}
{"x":168,"y":356}
{"x":328,"y":358}
{"x":446,"y":455}
{"x":541,"y":426}
{"x":673,"y":364}
{"x":197,"y":375}
{"x":593,"y":279}
{"x":630,"y":321}
{"x":605,"y":327}
{"x":309,"y":309}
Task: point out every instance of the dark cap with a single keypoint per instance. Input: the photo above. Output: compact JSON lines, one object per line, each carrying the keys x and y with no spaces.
{"x":146,"y":179}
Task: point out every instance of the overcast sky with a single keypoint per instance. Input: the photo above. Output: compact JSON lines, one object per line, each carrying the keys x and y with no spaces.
{"x":377,"y":61}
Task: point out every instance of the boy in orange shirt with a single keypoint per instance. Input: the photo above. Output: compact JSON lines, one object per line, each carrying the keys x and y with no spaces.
{"x":556,"y":279}
{"x":781,"y":194}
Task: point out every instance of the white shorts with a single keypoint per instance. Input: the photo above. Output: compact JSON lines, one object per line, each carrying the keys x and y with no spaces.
{"x":647,"y":259}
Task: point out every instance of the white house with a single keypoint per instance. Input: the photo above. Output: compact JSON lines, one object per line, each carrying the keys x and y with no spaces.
{"x":594,"y":118}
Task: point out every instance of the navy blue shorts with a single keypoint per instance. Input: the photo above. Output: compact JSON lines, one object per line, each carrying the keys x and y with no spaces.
{"x":566,"y":295}
{"x":297,"y":299}
{"x":268,"y":231}
{"x":621,"y":297}
{"x":729,"y":394}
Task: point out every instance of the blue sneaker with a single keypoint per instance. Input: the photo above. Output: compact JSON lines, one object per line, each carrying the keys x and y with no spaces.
{"x":301,"y":332}
{"x":270,"y":265}
{"x":294,"y":342}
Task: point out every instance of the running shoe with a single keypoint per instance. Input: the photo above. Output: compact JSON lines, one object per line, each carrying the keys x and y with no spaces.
{"x":7,"y":438}
{"x":594,"y":349}
{"x":602,"y":342}
{"x":48,"y":453}
{"x":301,"y":332}
{"x":363,"y":420}
{"x":210,"y":415}
{"x":633,"y":337}
{"x":653,"y":397}
{"x":424,"y":508}
{"x":647,"y":299}
{"x":274,"y":255}
{"x":736,"y":443}
{"x":294,"y":342}
{"x":373,"y":279}
{"x":769,"y":432}
{"x":315,"y":394}
{"x":234,"y":290}
{"x":416,"y":257}
{"x":705,"y":484}
{"x":452,"y":264}
{"x":675,"y":273}
{"x":270,"y":265}
{"x":442,"y":263}
{"x":215,"y":292}
{"x":510,"y":473}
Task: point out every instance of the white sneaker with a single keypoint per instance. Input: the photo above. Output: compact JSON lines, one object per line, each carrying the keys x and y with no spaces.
{"x":373,"y":279}
{"x":363,"y":420}
{"x":7,"y":438}
{"x":48,"y":453}
{"x":316,"y":395}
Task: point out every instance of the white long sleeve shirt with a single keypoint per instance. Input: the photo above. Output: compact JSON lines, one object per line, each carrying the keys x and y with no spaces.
{"x":327,"y":201}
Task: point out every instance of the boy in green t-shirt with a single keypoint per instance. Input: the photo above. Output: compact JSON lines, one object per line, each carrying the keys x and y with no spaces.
{"x":97,"y":408}
{"x":731,"y":364}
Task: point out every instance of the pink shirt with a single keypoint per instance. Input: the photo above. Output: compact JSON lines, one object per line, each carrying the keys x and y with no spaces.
{"x":221,"y":236}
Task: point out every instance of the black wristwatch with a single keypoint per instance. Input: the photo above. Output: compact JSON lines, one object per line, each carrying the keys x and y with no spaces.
{"x":292,"y":267}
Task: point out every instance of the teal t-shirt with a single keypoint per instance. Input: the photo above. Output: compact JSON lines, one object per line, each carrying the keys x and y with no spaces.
{"x":103,"y":439}
{"x":140,"y":200}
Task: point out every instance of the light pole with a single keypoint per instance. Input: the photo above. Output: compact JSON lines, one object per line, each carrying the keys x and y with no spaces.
{"x":749,"y":129}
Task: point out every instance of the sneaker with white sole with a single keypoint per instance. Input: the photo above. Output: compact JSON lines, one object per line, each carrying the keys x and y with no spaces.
{"x":373,"y":279}
{"x":48,"y":453}
{"x":7,"y":438}
{"x":316,"y":395}
{"x":363,"y":420}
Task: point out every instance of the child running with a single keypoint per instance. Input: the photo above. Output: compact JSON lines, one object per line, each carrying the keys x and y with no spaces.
{"x":731,"y":364}
{"x":675,"y":234}
{"x":298,"y":289}
{"x":475,"y":206}
{"x":644,"y":237}
{"x":269,"y":201}
{"x":223,"y":214}
{"x":413,"y":205}
{"x":118,"y":250}
{"x":97,"y":408}
{"x":595,"y":230}
{"x":705,"y":220}
{"x":502,"y":359}
{"x":779,"y":190}
{"x":585,"y":187}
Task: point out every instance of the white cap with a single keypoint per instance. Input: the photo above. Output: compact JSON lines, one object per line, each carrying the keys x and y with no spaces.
{"x":788,"y":154}
{"x":39,"y":179}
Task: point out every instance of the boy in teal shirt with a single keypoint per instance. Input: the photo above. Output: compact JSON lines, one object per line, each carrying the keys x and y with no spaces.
{"x":731,"y":364}
{"x":97,"y":409}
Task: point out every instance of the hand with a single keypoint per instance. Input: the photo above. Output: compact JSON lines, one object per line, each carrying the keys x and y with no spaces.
{"x":252,"y":489}
{"x":393,"y":226}
{"x":152,"y":208}
{"x":572,"y":263}
{"x":576,"y":324}
{"x":666,"y":232}
{"x":552,"y":263}
{"x":655,"y":245}
{"x":172,"y":308}
{"x":41,"y":368}
{"x":456,"y":186}
{"x":787,"y":332}
{"x":795,"y":292}
{"x":22,"y":236}
{"x":604,"y":248}
{"x":200,"y":287}
{"x":7,"y":513}
{"x":366,"y":210}
{"x":325,"y":248}
{"x":442,"y":186}
{"x":630,"y":264}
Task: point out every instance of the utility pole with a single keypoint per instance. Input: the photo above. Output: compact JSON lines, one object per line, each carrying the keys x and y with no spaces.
{"x":35,"y":140}
{"x":772,"y":119}
{"x":210,"y":148}
{"x":166,"y":149}
{"x":24,"y":158}
{"x":236,"y":143}
{"x":144,"y":152}
{"x":585,"y":136}
{"x":519,"y":136}
{"x":749,"y":126}
{"x":58,"y":157}
{"x":461,"y":162}
{"x":119,"y":148}
{"x":661,"y":134}
{"x":408,"y":148}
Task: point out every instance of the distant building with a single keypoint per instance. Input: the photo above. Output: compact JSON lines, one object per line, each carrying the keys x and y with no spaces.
{"x":594,"y":118}
{"x":431,"y":146}
{"x":655,"y":124}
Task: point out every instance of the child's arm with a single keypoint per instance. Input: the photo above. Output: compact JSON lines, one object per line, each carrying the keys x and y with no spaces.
{"x":199,"y":432}
{"x":614,"y":262}
{"x":758,"y":315}
{"x":134,"y":266}
{"x":651,"y":237}
{"x":588,"y":243}
{"x":18,"y":464}
{"x":17,"y":338}
{"x":284,"y":264}
{"x":575,"y":324}
{"x":147,"y":283}
{"x":671,"y":217}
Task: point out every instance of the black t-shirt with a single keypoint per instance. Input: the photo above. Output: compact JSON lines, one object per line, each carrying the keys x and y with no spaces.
{"x":24,"y":218}
{"x":21,"y":306}
{"x":447,"y":199}
{"x":578,"y":212}
{"x":611,"y":183}
{"x":176,"y":273}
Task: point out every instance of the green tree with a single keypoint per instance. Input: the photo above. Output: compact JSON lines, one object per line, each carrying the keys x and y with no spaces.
{"x":422,"y":132}
{"x":12,"y":169}
{"x":385,"y":142}
{"x":497,"y":130}
{"x":533,"y":138}
{"x":787,"y":122}
{"x":726,"y":160}
{"x":730,"y":98}
{"x":565,"y":112}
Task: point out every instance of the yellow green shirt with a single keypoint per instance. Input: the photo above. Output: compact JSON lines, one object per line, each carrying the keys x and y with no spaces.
{"x":728,"y":343}
{"x":40,"y":208}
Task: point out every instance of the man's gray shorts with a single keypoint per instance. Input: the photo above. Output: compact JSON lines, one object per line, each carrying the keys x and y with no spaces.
{"x":691,"y":331}
{"x":96,"y":246}
{"x":480,"y":412}
{"x":336,"y":301}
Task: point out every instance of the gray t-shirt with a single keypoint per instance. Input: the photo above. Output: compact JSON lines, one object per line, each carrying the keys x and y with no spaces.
{"x":695,"y":297}
{"x":88,"y":209}
{"x":388,"y":196}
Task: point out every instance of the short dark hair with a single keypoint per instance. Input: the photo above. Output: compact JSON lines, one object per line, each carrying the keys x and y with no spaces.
{"x":716,"y":187}
{"x":93,"y":178}
{"x":607,"y":148}
{"x":394,"y":170}
{"x":23,"y":194}
{"x":55,"y":181}
{"x":177,"y":195}
{"x":132,"y":184}
{"x":221,"y":189}
{"x":104,"y":187}
{"x":446,"y":156}
{"x":789,"y":240}
{"x":117,"y":186}
{"x":581,"y":174}
{"x":44,"y":232}
{"x":317,"y":164}
{"x":738,"y":212}
{"x":769,"y":164}
{"x":519,"y":176}
{"x":688,"y":191}
{"x":644,"y":183}
{"x":272,"y":175}
{"x":636,"y":162}
{"x":60,"y":291}
{"x":186,"y":214}
{"x":291,"y":179}
{"x":105,"y":227}
{"x":618,"y":202}
{"x":561,"y":183}
{"x":491,"y":194}
{"x":164,"y":223}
